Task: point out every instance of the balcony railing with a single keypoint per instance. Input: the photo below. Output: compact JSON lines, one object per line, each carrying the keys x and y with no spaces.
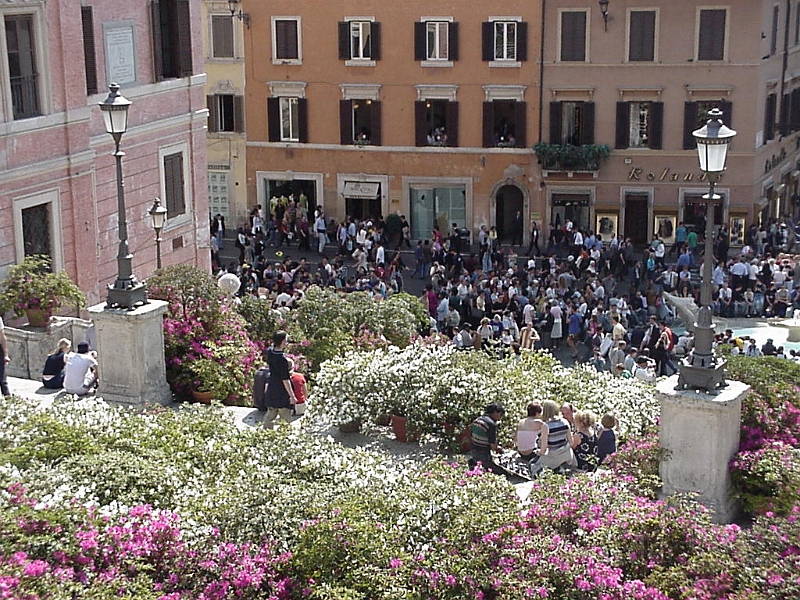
{"x":25,"y":96}
{"x":566,"y":157}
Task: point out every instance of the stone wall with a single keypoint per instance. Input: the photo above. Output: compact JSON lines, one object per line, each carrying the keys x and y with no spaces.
{"x":30,"y":346}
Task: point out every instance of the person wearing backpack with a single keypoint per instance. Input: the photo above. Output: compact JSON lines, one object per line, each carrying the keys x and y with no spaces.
{"x":663,"y":349}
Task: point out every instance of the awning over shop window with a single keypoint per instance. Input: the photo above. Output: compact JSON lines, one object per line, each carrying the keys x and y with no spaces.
{"x":361,"y":189}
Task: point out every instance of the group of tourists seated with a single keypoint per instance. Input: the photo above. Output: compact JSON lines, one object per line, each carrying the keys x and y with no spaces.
{"x":557,"y":438}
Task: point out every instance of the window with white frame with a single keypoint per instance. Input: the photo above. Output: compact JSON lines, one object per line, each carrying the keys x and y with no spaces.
{"x":505,"y":40}
{"x":37,"y":226}
{"x":437,"y":40}
{"x":711,"y":28}
{"x":286,"y":40}
{"x":287,"y":112}
{"x":290,"y":119}
{"x":360,"y":40}
{"x":23,"y":66}
{"x":642,"y":35}
{"x":573,"y":34}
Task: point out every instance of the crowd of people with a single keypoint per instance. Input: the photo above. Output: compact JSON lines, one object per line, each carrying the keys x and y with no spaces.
{"x":600,"y":299}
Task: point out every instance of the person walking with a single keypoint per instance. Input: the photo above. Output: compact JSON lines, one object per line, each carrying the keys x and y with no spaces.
{"x":280,"y":396}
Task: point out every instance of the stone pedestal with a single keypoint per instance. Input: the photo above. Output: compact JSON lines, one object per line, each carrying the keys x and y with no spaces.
{"x":701,"y":434}
{"x":130,"y":348}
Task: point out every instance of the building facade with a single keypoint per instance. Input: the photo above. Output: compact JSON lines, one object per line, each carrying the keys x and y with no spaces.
{"x":425,"y":109}
{"x":223,"y":43}
{"x":58,"y":192}
{"x":640,"y":81}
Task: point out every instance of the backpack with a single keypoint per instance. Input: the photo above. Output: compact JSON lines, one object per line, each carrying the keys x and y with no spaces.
{"x":260,"y":380}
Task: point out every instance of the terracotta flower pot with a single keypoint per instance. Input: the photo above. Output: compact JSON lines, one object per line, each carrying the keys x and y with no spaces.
{"x":202,"y":397}
{"x":401,"y":430}
{"x":37,"y":317}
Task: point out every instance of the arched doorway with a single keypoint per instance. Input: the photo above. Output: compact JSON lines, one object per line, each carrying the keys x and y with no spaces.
{"x":509,"y":202}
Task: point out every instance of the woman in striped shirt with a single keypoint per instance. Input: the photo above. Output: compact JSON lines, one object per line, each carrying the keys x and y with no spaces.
{"x":556,"y":443}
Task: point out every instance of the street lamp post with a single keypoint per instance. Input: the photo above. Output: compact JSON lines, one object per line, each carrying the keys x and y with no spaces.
{"x":126,"y":292}
{"x":702,"y":369}
{"x":159,"y":215}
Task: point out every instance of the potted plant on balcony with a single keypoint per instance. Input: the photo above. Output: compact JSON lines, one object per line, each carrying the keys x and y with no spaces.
{"x":33,"y":289}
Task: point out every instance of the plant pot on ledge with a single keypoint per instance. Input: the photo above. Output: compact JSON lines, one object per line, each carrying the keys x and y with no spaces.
{"x":202,"y":397}
{"x":37,"y":317}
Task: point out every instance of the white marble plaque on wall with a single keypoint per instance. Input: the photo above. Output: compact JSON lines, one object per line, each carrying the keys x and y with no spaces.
{"x":120,"y":52}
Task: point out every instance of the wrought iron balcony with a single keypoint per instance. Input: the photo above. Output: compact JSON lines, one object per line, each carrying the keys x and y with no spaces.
{"x":25,"y":96}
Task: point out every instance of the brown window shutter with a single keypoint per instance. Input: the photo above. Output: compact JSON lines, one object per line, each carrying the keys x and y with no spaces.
{"x":452,"y":123}
{"x":689,"y":122}
{"x":656,"y":129}
{"x":346,"y":122}
{"x":784,"y":120}
{"x":573,"y":36}
{"x":711,"y":41}
{"x":488,"y":125}
{"x":555,"y":122}
{"x":158,"y":56}
{"x":89,"y":57}
{"x":238,"y":114}
{"x":286,"y":43}
{"x":623,"y":115}
{"x":641,"y":45}
{"x":274,"y":119}
{"x":375,"y":41}
{"x":522,"y":41}
{"x":222,"y":36}
{"x":420,"y":41}
{"x":769,"y":117}
{"x":487,"y":41}
{"x":211,"y":103}
{"x":375,"y":123}
{"x":420,"y":135}
{"x":302,"y":118}
{"x":452,"y":39}
{"x":587,"y":127}
{"x":521,"y":124}
{"x":173,"y":184}
{"x":184,"y":27}
{"x":344,"y":40}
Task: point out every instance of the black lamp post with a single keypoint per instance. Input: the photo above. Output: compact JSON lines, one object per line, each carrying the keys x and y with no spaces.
{"x":234,"y":6}
{"x":701,"y":369}
{"x":126,"y":292}
{"x":159,"y":215}
{"x":604,"y":12}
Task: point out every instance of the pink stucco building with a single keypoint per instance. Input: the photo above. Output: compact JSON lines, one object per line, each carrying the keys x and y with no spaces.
{"x":58,"y":191}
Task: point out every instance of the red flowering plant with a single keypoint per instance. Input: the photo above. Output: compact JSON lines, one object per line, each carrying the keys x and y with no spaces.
{"x":206,"y":346}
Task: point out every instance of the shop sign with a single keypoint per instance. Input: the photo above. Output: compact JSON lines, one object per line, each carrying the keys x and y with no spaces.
{"x":774,"y":161}
{"x":667,"y":174}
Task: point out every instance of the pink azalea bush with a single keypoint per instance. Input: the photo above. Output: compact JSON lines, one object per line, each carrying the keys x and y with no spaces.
{"x":766,"y":472}
{"x":137,"y":554}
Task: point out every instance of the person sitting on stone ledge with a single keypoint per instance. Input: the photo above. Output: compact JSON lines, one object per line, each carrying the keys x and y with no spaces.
{"x":80,"y":372}
{"x":54,"y":366}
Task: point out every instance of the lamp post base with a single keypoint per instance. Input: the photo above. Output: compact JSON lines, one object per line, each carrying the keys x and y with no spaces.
{"x":709,"y":378}
{"x":129,"y":298}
